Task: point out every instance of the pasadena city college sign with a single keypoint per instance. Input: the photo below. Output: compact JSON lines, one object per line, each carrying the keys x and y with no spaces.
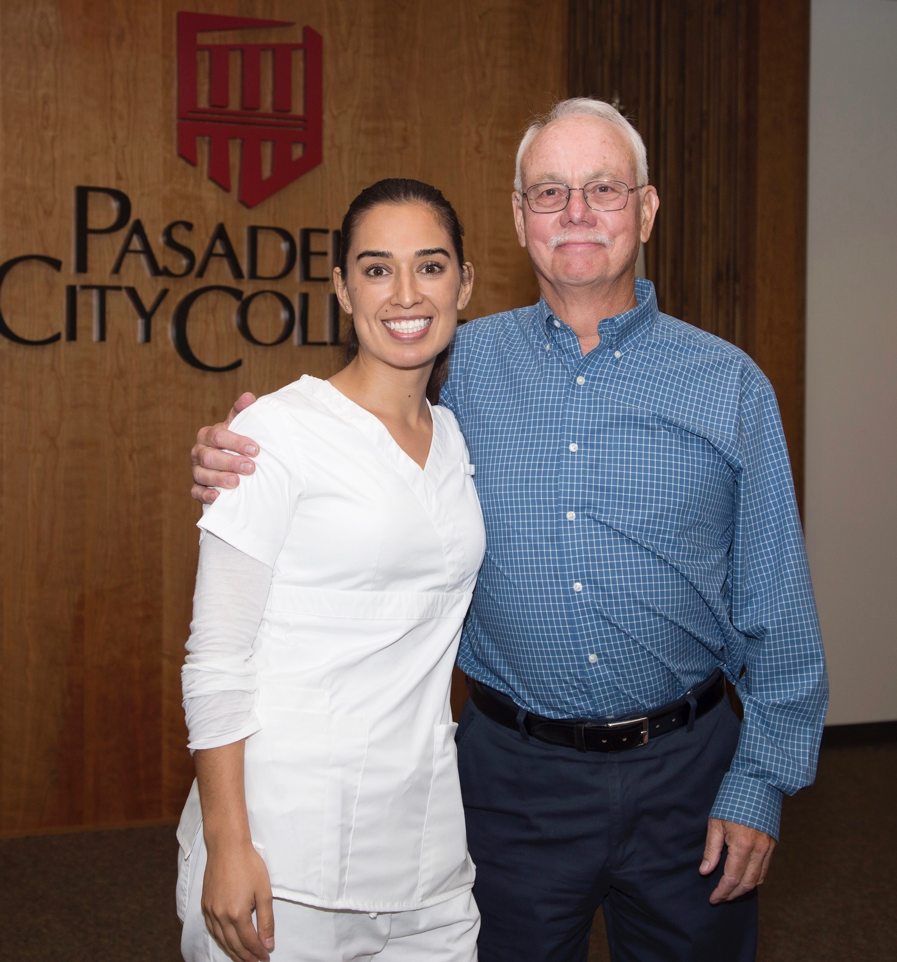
{"x":307,"y":254}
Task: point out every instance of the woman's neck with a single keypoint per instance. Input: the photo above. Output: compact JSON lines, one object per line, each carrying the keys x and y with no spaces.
{"x":389,"y":393}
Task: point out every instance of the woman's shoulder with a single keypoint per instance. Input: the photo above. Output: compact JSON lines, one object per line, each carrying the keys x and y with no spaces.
{"x":447,"y":419}
{"x":295,"y":402}
{"x":309,"y":393}
{"x":295,"y":416}
{"x":455,"y":445}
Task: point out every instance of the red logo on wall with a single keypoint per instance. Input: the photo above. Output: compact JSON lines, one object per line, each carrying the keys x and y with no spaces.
{"x":249,"y":121}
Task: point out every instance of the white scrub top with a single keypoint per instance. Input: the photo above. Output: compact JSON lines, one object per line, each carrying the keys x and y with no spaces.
{"x":351,"y":781}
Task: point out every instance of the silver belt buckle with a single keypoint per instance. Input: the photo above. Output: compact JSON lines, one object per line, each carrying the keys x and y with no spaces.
{"x":643,"y":734}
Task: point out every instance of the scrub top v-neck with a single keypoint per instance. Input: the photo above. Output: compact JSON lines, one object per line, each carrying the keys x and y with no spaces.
{"x":351,"y":781}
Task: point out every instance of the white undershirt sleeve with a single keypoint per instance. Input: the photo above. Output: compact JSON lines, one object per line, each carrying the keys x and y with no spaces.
{"x":218,"y":677}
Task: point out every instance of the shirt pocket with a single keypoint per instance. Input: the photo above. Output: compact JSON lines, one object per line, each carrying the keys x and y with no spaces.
{"x":303,"y":772}
{"x":671,"y":483}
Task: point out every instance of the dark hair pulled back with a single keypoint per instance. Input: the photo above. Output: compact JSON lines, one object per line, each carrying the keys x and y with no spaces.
{"x":397,"y":191}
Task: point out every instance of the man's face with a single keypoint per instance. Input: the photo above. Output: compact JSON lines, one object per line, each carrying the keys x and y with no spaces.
{"x":578,"y":246}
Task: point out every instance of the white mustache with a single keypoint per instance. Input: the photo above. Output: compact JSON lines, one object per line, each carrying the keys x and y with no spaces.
{"x":570,"y":235}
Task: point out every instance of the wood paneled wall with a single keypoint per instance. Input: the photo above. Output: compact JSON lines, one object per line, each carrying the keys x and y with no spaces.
{"x":719,"y":91}
{"x":97,"y":529}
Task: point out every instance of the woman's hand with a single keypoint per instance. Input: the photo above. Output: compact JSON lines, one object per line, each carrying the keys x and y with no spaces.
{"x":236,"y":879}
{"x":212,"y":466}
{"x":236,"y":884}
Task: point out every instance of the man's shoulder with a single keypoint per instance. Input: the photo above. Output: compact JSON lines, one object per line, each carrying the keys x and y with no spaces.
{"x":495,"y":327}
{"x":683,"y":343}
{"x":687,"y":338}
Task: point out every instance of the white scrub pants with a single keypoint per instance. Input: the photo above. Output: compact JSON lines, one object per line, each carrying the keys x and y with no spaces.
{"x":445,"y":932}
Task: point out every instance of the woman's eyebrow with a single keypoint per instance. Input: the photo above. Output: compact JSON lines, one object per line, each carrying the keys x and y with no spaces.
{"x":387,"y":255}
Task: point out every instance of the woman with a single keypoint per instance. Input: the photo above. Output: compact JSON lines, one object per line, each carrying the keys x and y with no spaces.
{"x":329,"y":599}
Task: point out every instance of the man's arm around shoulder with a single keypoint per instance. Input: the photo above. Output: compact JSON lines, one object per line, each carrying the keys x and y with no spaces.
{"x":213,"y":465}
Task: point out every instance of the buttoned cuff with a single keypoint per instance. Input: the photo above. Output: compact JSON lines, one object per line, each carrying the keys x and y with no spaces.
{"x":749,"y":801}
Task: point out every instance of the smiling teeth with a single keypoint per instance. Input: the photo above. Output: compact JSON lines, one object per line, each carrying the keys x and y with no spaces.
{"x":408,"y":327}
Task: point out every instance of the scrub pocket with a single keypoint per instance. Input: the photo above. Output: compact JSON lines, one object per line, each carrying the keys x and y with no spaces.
{"x":303,"y":772}
{"x":445,"y":864}
{"x":188,"y":832}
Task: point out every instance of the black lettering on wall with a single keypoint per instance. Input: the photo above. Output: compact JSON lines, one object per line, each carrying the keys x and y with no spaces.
{"x":144,"y":250}
{"x":179,"y":248}
{"x":71,"y":312}
{"x":99,"y":307}
{"x":332,"y":319}
{"x":306,"y":254}
{"x":83,"y":231}
{"x":179,"y":327}
{"x":331,"y":322}
{"x":144,"y":313}
{"x":5,"y":268}
{"x":287,"y":315}
{"x":301,"y":318}
{"x":220,"y":236}
{"x":287,"y":246}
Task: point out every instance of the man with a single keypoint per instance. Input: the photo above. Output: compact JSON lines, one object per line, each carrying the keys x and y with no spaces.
{"x":642,"y":542}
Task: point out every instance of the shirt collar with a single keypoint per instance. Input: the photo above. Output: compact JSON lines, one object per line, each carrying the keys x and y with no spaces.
{"x":617,"y":333}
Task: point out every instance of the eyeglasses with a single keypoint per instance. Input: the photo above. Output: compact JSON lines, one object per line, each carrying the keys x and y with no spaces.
{"x":598,"y":194}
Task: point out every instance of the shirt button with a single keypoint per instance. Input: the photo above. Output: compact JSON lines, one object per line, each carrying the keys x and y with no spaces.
{"x":577,"y":586}
{"x":557,"y":323}
{"x":574,"y":447}
{"x":571,"y":515}
{"x":593,"y":658}
{"x":547,"y":347}
{"x":580,"y":380}
{"x":617,"y":354}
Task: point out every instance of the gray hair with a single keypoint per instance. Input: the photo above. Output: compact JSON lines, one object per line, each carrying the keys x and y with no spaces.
{"x":579,"y":106}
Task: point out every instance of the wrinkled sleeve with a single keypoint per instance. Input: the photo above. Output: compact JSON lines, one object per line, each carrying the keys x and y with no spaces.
{"x":784,"y":685}
{"x":218,"y":677}
{"x":244,"y":532}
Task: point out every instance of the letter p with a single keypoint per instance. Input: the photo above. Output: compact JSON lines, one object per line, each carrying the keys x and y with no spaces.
{"x":82,"y":230}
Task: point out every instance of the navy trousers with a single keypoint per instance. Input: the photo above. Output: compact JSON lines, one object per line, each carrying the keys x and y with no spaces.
{"x":555,"y":833}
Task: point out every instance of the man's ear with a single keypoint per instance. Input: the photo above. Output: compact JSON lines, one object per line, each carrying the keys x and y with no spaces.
{"x":517,"y":204}
{"x":650,"y":204}
{"x":342,"y":295}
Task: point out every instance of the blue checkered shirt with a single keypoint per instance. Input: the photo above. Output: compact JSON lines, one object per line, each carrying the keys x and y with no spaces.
{"x":641,"y":530}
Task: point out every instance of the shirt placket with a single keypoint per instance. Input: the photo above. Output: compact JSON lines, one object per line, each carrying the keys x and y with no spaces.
{"x":575,"y":493}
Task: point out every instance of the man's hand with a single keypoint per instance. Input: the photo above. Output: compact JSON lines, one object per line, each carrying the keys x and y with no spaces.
{"x":236,"y":884}
{"x":747,"y":862}
{"x":212,"y":466}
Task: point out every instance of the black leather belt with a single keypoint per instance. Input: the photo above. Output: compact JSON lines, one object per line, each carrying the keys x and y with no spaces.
{"x":588,"y":736}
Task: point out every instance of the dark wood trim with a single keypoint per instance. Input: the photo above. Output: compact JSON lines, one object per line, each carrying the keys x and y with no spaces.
{"x":867,"y":733}
{"x":719,"y":91}
{"x":780,"y":140}
{"x":85,"y":829}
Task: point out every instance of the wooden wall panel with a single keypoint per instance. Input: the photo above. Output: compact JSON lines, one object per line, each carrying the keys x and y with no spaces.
{"x":718,"y":90}
{"x":98,"y":532}
{"x":780,"y":66}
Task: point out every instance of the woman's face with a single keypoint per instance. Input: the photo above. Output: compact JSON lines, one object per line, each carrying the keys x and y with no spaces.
{"x":403,"y":285}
